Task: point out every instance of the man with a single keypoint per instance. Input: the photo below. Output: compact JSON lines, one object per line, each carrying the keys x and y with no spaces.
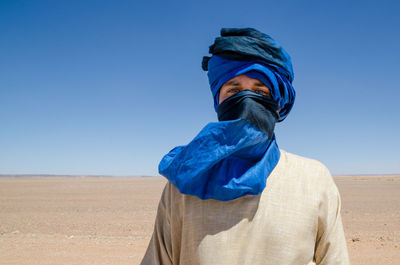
{"x":233,"y":197}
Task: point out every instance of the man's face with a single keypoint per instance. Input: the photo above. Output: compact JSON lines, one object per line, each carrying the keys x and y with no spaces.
{"x":240,"y":83}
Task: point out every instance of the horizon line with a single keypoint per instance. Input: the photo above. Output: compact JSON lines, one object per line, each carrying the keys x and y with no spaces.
{"x":152,"y":176}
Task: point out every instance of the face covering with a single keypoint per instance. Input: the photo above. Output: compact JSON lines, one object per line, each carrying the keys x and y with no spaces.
{"x":259,"y":110}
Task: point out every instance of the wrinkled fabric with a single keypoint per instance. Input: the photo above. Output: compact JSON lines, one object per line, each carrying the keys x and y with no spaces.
{"x":220,"y":70}
{"x":225,"y":161}
{"x":251,"y":45}
{"x":259,"y":110}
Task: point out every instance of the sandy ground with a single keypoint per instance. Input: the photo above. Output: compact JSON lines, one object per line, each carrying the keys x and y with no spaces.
{"x":95,"y":220}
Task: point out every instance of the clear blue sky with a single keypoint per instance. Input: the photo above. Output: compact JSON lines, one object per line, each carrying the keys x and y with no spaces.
{"x":109,"y":87}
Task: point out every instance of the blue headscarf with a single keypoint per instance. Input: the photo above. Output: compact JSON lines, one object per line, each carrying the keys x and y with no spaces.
{"x":231,"y":159}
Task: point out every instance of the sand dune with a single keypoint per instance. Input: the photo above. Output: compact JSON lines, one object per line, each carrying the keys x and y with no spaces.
{"x":100,"y":220}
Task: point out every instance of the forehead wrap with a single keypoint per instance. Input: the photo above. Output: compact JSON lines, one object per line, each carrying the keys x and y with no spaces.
{"x":255,"y":54}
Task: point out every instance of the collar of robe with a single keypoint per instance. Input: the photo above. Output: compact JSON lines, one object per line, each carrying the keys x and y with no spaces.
{"x":225,"y":161}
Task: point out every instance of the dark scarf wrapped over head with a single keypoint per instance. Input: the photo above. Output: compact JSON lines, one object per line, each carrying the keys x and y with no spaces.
{"x":238,"y":49}
{"x":233,"y":158}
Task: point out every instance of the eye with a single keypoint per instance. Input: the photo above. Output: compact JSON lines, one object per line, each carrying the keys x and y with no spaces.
{"x":234,"y":90}
{"x":263,"y":92}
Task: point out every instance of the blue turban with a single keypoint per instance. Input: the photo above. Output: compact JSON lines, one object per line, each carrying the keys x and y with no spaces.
{"x":231,"y":159}
{"x":255,"y":54}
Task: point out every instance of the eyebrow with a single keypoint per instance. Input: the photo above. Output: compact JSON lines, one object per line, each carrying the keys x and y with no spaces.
{"x":232,"y":83}
{"x":235,"y":83}
{"x":259,"y":83}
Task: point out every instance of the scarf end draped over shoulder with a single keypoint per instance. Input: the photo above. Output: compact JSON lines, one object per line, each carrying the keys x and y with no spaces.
{"x":225,"y":161}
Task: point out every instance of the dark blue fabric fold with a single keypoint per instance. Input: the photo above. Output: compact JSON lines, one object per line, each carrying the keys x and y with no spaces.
{"x":249,"y":44}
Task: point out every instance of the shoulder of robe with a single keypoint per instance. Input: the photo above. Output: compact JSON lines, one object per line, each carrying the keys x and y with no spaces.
{"x":308,"y":168}
{"x":170,"y":191}
{"x":172,"y":194}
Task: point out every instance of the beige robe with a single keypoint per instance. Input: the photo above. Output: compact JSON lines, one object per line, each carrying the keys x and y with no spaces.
{"x":295,"y":220}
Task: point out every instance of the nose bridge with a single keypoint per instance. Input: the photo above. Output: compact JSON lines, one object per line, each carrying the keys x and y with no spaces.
{"x":247,"y":84}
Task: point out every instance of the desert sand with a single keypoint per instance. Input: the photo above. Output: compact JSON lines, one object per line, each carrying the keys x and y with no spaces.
{"x":100,"y":220}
